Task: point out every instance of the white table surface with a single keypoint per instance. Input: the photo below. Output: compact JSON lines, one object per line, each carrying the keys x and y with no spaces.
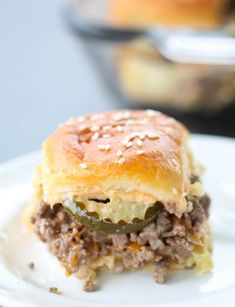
{"x":45,"y":75}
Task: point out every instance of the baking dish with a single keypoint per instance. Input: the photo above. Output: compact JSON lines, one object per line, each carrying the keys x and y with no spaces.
{"x":136,"y":68}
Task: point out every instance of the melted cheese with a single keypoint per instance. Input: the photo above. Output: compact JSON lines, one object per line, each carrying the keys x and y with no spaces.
{"x":117,"y":210}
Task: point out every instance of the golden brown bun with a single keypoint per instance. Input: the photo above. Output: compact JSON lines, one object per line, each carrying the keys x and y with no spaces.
{"x":133,"y":156}
{"x":196,"y":13}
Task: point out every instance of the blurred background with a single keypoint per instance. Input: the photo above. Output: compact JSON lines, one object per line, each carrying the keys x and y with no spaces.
{"x":65,"y":58}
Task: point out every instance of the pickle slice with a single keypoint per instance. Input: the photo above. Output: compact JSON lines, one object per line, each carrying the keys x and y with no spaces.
{"x":93,"y":221}
{"x":192,"y":199}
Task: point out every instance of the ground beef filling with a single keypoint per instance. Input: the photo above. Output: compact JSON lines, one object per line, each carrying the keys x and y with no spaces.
{"x":161,"y":243}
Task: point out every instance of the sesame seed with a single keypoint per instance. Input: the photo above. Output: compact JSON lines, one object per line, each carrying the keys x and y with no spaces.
{"x":124,"y":142}
{"x":70,"y":121}
{"x":83,"y":165}
{"x":93,"y":117}
{"x":174,"y":190}
{"x":152,"y":112}
{"x":119,"y":153}
{"x":96,"y":116}
{"x":129,"y":144}
{"x":174,"y":162}
{"x":138,"y":133}
{"x":104,"y":147}
{"x":106,"y":135}
{"x":171,"y":119}
{"x":107,"y":147}
{"x":122,"y":160}
{"x":82,"y":127}
{"x":139,"y":152}
{"x":95,"y":128}
{"x":101,"y":146}
{"x":142,"y":136}
{"x":121,"y":115}
{"x":152,"y":136}
{"x":139,"y":143}
{"x":117,"y":116}
{"x":95,"y":136}
{"x":132,"y":122}
{"x":131,"y":136}
{"x":107,"y":127}
{"x":79,"y":119}
{"x":119,"y":128}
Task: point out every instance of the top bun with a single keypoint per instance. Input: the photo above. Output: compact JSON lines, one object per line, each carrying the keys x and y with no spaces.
{"x":132,"y":156}
{"x":195,"y":13}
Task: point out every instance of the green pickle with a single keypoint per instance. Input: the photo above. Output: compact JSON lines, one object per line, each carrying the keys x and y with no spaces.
{"x":93,"y":221}
{"x":192,"y":199}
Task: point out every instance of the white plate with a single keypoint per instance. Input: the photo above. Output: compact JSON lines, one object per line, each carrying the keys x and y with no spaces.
{"x":20,"y":286}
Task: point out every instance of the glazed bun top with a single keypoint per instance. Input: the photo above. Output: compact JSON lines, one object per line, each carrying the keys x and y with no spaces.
{"x":194,"y":13}
{"x":129,"y":156}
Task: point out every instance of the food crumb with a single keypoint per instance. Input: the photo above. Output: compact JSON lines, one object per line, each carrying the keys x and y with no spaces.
{"x":161,"y":271}
{"x":55,"y":290}
{"x":89,"y":286}
{"x":31,"y":265}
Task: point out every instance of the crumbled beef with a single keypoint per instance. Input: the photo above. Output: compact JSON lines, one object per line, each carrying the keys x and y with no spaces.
{"x":197,"y":214}
{"x":160,"y":271}
{"x":31,"y":265}
{"x":118,"y":241}
{"x":89,"y":286}
{"x":194,"y":178}
{"x":205,"y":202}
{"x":177,"y":229}
{"x":180,"y":248}
{"x":55,"y":290}
{"x":200,"y":210}
{"x":162,"y":242}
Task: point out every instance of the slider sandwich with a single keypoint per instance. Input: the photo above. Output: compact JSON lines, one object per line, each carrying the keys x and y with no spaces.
{"x":122,"y":191}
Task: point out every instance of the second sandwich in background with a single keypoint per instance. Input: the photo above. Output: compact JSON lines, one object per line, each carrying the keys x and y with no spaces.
{"x":147,"y":78}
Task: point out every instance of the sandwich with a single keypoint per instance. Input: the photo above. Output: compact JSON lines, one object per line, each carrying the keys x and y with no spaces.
{"x":121,"y":191}
{"x":191,"y":13}
{"x":146,"y":78}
